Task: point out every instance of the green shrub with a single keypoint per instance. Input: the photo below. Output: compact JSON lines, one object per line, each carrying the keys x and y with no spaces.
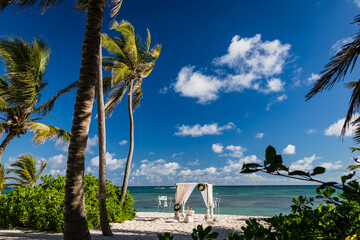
{"x":42,"y":207}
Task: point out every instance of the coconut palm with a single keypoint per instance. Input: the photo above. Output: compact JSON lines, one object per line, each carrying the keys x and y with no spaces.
{"x":131,"y":62}
{"x":75,"y":223}
{"x":335,"y":71}
{"x":20,"y":92}
{"x":25,"y":168}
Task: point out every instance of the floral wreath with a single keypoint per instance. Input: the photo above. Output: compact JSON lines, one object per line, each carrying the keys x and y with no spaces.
{"x":177,"y":207}
{"x":201,"y":187}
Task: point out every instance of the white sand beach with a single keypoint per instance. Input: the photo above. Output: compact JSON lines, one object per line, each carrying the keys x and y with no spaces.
{"x":145,"y":226}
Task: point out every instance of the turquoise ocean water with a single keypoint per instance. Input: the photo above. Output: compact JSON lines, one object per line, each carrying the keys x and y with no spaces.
{"x":234,"y":200}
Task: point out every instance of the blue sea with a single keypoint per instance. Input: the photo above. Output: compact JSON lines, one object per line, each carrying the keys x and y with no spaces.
{"x":234,"y":200}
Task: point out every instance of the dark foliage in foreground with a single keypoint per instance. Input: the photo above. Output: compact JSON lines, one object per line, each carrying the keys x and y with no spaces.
{"x":42,"y":207}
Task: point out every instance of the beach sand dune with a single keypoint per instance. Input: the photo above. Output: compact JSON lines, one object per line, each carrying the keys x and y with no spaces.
{"x":146,"y":225}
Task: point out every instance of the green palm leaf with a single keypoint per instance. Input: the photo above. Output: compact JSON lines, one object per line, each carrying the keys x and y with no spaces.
{"x":25,"y":168}
{"x":44,"y":132}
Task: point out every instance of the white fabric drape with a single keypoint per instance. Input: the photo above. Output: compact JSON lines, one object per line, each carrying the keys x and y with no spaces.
{"x":207,"y":195}
{"x":183,"y":192}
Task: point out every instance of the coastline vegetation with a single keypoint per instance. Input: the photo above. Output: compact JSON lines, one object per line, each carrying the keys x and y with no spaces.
{"x":42,"y":207}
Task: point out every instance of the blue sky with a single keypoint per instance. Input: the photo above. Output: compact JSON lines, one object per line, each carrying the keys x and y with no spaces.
{"x":230,"y":80}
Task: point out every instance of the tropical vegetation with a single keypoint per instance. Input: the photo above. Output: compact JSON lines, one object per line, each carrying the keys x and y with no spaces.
{"x":29,"y":206}
{"x":131,"y":62}
{"x":20,"y":91}
{"x":25,"y":167}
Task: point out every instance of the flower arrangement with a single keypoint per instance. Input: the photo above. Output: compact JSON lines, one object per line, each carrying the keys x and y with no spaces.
{"x":201,"y":187}
{"x":177,"y":207}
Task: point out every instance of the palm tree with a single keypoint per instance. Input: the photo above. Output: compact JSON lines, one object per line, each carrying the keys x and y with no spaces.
{"x":3,"y":178}
{"x":335,"y":71}
{"x":26,"y":170}
{"x":75,"y":223}
{"x":20,"y":91}
{"x":131,"y":62}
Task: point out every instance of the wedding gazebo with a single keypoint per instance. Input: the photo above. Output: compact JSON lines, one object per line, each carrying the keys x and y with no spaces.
{"x":184,"y":190}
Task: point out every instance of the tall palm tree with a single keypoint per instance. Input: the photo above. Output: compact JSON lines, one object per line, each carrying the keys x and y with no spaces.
{"x":75,"y":223}
{"x":20,"y":91}
{"x":335,"y":71}
{"x":26,"y":170}
{"x":131,"y":62}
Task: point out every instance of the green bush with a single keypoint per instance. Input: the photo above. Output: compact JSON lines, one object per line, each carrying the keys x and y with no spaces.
{"x":42,"y":207}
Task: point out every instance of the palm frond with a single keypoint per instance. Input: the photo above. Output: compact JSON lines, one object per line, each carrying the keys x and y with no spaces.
{"x":116,"y":7}
{"x":42,"y":5}
{"x":44,"y":132}
{"x":115,"y":97}
{"x":137,"y":98}
{"x":48,"y":105}
{"x":148,"y":40}
{"x":114,"y":46}
{"x":42,"y":167}
{"x":354,"y":106}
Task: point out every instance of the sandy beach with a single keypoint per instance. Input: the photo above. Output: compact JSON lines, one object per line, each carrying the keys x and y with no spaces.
{"x":145,"y":226}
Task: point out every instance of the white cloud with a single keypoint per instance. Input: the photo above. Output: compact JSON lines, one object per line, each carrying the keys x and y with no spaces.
{"x":290,"y":149}
{"x":155,"y":171}
{"x":217,"y":147}
{"x":340,"y":43}
{"x":251,"y":60}
{"x":313,"y":78}
{"x":197,"y":85}
{"x":111,"y":162}
{"x":260,"y":135}
{"x":235,"y":166}
{"x":304,"y":164}
{"x":92,"y":142}
{"x":335,"y":128}
{"x":311,"y":131}
{"x":164,"y":90}
{"x":56,"y":172}
{"x":61,"y":146}
{"x":198,"y":130}
{"x":194,"y":163}
{"x":274,"y":85}
{"x":57,"y":161}
{"x":177,"y":154}
{"x":357,"y":2}
{"x":235,"y":151}
{"x":123,"y":142}
{"x":331,"y":165}
{"x":252,"y":55}
{"x":278,"y":99}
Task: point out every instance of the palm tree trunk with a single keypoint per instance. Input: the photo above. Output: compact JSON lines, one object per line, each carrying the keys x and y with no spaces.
{"x":75,"y":223}
{"x":104,"y":221}
{"x":131,"y":148}
{"x":6,"y":141}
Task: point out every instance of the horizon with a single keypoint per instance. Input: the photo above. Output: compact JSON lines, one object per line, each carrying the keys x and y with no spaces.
{"x":230,"y":80}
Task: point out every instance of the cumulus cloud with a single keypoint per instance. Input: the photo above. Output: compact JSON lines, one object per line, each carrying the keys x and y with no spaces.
{"x":252,"y":55}
{"x":190,"y":83}
{"x":92,"y":142}
{"x":332,"y":165}
{"x":335,"y":128}
{"x":217,"y":147}
{"x":260,"y":135}
{"x":340,"y":43}
{"x":250,"y":60}
{"x":235,"y":151}
{"x":236,"y":166}
{"x":313,"y":78}
{"x":177,"y":155}
{"x":57,"y":161}
{"x":278,"y":99}
{"x":56,"y":172}
{"x":198,"y":130}
{"x":61,"y":146}
{"x":304,"y":164}
{"x":123,"y":142}
{"x":155,"y":171}
{"x":111,"y":162}
{"x":290,"y":149}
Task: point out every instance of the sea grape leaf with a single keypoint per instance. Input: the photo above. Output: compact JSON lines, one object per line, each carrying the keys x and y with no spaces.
{"x":318,"y":170}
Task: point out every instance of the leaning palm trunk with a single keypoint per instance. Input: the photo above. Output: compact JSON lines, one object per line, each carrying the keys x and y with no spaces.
{"x":4,"y":144}
{"x":75,"y":223}
{"x":131,"y":148}
{"x":104,"y":221}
